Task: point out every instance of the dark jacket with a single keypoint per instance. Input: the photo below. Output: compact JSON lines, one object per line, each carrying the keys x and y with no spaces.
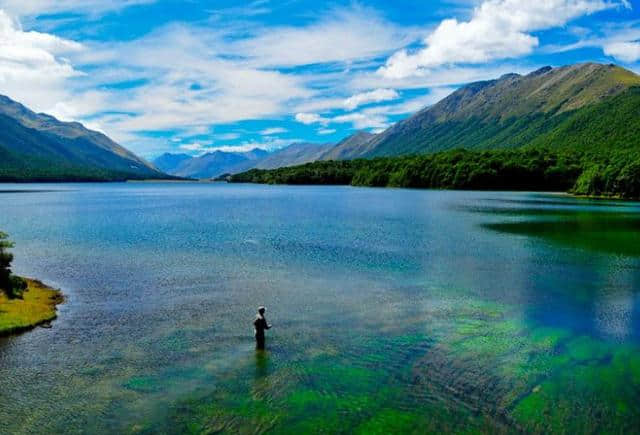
{"x":260,"y":325}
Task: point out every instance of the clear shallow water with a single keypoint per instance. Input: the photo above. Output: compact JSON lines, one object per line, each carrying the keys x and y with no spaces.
{"x":394,"y":310}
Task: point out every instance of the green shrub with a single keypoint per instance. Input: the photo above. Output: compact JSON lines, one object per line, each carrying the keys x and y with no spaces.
{"x":13,"y":286}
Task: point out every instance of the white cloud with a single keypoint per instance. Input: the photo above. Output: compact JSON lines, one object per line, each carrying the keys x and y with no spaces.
{"x":273,"y":130}
{"x":375,"y":96}
{"x":498,"y":29}
{"x":170,"y":61}
{"x":625,"y":51}
{"x":311,"y":118}
{"x":33,"y":68}
{"x":340,"y":35}
{"x":412,"y":105}
{"x":363,"y":120}
{"x":376,"y":117}
{"x":319,"y":104}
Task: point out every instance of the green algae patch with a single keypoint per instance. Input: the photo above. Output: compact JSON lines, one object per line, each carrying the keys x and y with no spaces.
{"x":146,"y":384}
{"x":37,"y":307}
{"x":548,"y":338}
{"x":585,"y":348}
{"x":392,"y":421}
{"x":167,"y":380}
{"x":223,"y":415}
{"x":590,"y":392}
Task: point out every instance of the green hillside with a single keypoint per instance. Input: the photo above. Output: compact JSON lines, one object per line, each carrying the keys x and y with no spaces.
{"x":38,"y":147}
{"x":611,"y":123}
{"x":544,"y":107}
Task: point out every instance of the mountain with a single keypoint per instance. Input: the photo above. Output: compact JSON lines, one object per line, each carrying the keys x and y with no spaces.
{"x":295,"y":154}
{"x":170,"y":162}
{"x":210,"y":165}
{"x":512,"y":111}
{"x":346,"y":148}
{"x":214,"y":164}
{"x":40,"y":147}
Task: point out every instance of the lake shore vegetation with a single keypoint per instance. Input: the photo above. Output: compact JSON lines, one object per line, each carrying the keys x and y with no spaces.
{"x":606,"y":174}
{"x":24,"y":303}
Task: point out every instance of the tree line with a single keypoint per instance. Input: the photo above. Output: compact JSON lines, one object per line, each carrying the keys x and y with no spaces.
{"x":585,"y":172}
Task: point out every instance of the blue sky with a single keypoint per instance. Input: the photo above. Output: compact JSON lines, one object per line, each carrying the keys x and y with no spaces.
{"x":195,"y":76}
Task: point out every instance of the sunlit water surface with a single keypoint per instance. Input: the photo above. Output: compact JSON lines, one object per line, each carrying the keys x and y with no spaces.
{"x":393,"y":310}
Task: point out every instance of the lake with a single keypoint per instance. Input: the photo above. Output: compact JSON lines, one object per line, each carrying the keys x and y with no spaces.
{"x":393,"y":310}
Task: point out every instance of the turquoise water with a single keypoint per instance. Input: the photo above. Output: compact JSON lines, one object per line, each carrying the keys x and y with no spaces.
{"x":393,"y":311}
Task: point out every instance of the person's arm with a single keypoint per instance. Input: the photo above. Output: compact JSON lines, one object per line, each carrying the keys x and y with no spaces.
{"x":266,"y":325}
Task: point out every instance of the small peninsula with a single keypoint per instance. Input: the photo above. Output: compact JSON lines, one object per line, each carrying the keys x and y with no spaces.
{"x":36,"y":307}
{"x":24,"y":303}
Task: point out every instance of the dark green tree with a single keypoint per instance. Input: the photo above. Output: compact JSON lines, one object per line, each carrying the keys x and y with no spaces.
{"x":11,"y":285}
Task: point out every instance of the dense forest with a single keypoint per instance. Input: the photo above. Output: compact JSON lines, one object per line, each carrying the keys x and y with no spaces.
{"x":615,"y":173}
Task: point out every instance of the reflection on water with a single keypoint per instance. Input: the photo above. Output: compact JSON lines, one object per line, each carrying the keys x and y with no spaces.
{"x":398,"y":311}
{"x":604,"y":232}
{"x":262,"y":364}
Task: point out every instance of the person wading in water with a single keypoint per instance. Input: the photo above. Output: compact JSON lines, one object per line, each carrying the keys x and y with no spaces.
{"x":260,"y":325}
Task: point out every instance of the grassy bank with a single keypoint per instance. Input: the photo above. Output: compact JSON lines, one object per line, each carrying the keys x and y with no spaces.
{"x":37,"y":307}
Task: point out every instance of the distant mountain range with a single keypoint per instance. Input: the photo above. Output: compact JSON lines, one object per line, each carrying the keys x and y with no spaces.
{"x":217,"y":163}
{"x":38,"y":147}
{"x":210,"y":165}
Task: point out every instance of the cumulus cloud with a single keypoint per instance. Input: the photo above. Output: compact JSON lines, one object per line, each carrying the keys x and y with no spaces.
{"x":363,"y":120}
{"x":311,"y":118}
{"x":625,"y":51}
{"x":375,"y":96}
{"x":498,"y":29}
{"x":33,"y":67}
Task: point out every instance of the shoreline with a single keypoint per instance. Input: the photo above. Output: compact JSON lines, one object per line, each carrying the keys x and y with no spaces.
{"x":215,"y":181}
{"x":546,"y":192}
{"x":37,"y":308}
